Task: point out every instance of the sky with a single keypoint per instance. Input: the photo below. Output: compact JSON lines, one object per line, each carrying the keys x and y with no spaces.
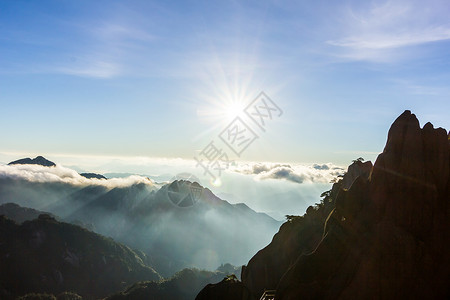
{"x":91,"y":80}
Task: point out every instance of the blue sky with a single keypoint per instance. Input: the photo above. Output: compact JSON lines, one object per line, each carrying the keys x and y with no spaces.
{"x":163,"y":78}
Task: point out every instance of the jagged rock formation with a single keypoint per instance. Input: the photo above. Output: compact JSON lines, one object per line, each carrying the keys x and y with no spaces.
{"x":382,"y":234}
{"x":39,"y":160}
{"x":47,"y":256}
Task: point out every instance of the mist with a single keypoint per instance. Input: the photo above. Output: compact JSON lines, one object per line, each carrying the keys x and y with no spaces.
{"x":138,"y":212}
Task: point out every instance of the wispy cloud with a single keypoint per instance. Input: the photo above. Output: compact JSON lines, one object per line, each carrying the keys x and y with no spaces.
{"x":110,"y":45}
{"x":80,"y":45}
{"x":94,"y":67}
{"x":374,"y":32}
{"x":416,"y":88}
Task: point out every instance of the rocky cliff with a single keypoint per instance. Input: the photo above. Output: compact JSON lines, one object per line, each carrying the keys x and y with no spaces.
{"x":382,"y":232}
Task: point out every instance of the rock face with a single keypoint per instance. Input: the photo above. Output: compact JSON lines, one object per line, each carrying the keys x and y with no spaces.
{"x":39,"y":160}
{"x":382,"y":232}
{"x":299,"y":236}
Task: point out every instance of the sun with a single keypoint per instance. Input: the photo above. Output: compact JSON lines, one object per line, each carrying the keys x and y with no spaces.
{"x":227,"y":84}
{"x":234,"y":109}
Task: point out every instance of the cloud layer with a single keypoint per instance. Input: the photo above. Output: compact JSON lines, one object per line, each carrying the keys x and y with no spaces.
{"x":315,"y":173}
{"x":36,"y":173}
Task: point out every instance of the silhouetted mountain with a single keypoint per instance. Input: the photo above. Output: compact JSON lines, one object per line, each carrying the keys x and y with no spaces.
{"x":39,"y":160}
{"x":45,"y":255}
{"x":381,"y":232}
{"x":228,"y":288}
{"x":20,"y":214}
{"x":93,"y":175}
{"x":46,"y":296}
{"x":184,"y":285}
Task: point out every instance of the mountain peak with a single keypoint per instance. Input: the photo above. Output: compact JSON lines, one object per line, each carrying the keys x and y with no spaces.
{"x":405,"y":127}
{"x":93,"y":175}
{"x":39,"y":160}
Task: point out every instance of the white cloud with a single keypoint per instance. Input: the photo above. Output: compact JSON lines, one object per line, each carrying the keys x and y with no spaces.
{"x":37,"y":173}
{"x":316,"y":173}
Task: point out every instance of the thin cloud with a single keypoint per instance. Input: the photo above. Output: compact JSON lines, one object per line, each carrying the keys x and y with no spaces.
{"x":377,"y":31}
{"x":91,"y":67}
{"x":110,"y":43}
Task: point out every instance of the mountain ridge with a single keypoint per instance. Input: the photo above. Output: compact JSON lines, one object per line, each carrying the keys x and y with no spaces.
{"x":45,"y":255}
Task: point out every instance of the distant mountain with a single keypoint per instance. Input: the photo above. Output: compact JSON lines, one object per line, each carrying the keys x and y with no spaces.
{"x":381,"y":232}
{"x":39,"y":160}
{"x":47,"y":256}
{"x":93,"y":175}
{"x":42,"y":161}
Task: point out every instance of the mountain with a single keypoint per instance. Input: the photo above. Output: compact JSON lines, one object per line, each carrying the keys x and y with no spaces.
{"x":184,"y":285}
{"x":48,"y":256}
{"x":228,"y":288}
{"x":175,"y":227}
{"x":20,"y":214}
{"x":42,"y":161}
{"x":381,"y":232}
{"x":92,"y":175}
{"x":39,"y":160}
{"x":179,"y":225}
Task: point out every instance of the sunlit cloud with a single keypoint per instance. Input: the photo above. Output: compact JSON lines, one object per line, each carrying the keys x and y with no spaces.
{"x":316,"y":173}
{"x":60,"y":174}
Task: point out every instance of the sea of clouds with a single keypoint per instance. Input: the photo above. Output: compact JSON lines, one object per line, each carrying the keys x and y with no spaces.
{"x":319,"y":173}
{"x":277,"y":189}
